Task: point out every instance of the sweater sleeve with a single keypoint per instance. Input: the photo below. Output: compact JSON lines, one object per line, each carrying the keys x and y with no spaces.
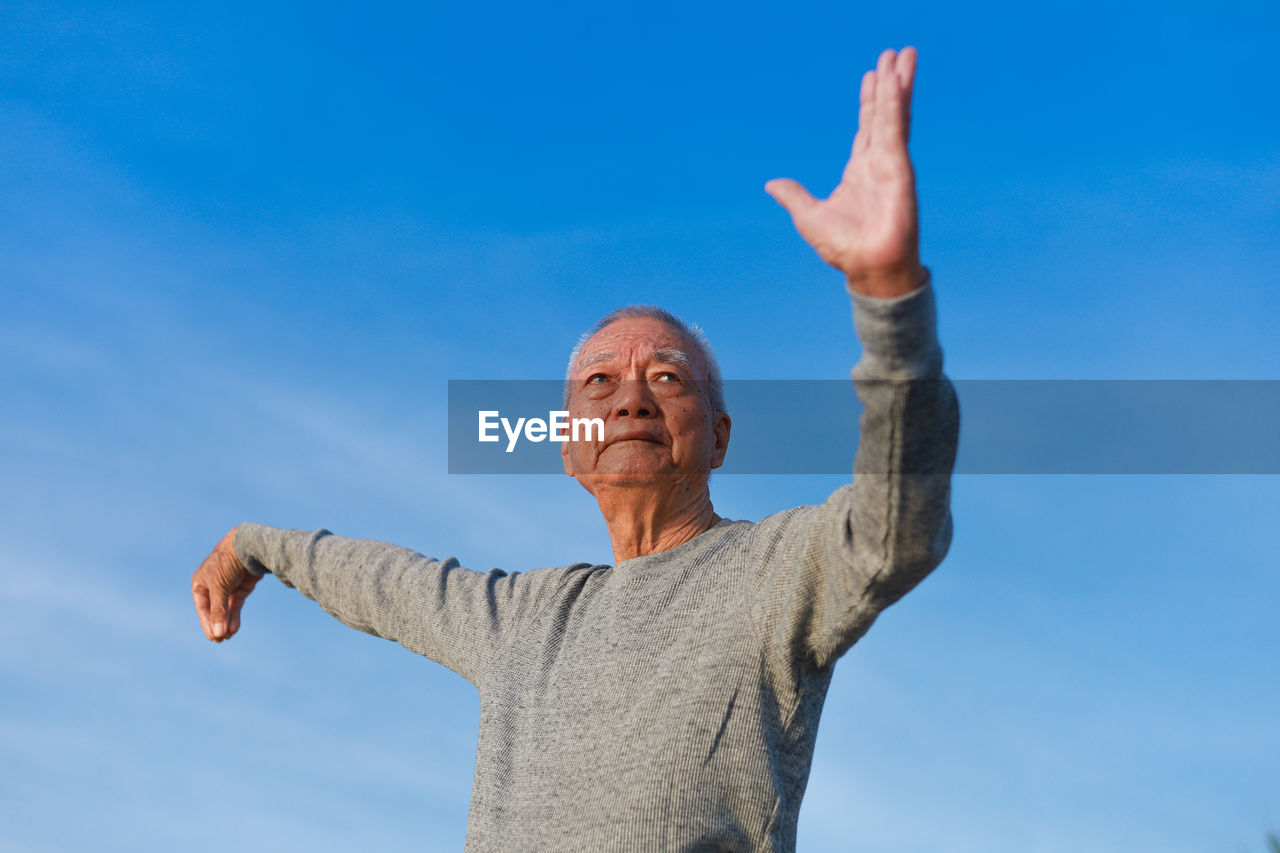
{"x":828,"y":571}
{"x":457,"y":617}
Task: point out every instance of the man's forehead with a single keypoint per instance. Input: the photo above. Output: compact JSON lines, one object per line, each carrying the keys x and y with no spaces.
{"x":663,"y":355}
{"x":622,"y":338}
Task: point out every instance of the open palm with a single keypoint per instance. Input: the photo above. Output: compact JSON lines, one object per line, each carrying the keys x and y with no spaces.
{"x":868,"y":227}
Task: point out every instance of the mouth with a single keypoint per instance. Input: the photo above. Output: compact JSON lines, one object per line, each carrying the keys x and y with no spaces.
{"x":635,"y":436}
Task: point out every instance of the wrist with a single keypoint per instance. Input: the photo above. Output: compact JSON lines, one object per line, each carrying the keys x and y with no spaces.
{"x":228,"y":545}
{"x":899,"y":336}
{"x":888,"y":283}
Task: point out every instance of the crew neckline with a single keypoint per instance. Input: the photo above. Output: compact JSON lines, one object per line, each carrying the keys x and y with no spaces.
{"x":718,"y":529}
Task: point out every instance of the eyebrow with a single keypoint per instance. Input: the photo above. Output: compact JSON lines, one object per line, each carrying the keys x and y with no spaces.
{"x":663,"y":356}
{"x":674,"y":356}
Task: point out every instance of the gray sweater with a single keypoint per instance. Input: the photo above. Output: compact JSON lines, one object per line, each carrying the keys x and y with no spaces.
{"x":670,"y":702}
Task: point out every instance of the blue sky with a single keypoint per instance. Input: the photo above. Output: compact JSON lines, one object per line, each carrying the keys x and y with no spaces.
{"x":245,"y":246}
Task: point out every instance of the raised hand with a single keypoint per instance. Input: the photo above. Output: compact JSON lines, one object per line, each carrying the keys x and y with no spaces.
{"x":868,"y":227}
{"x":219,"y":588}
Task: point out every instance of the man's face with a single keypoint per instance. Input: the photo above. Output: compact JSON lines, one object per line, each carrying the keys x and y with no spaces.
{"x":645,"y":380}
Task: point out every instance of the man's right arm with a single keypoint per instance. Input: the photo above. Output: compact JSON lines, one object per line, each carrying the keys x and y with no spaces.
{"x":438,"y":609}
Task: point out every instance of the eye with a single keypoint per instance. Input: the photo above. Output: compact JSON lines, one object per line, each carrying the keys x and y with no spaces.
{"x":597,"y":379}
{"x":667,"y":376}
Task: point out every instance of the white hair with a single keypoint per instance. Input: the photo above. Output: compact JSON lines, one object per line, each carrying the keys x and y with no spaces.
{"x":715,"y":385}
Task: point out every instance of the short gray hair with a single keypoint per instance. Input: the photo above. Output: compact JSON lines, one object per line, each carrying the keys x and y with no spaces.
{"x":715,"y":384}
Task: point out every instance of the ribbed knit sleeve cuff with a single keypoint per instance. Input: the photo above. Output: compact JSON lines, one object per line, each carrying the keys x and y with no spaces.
{"x":899,"y":336}
{"x":254,"y":543}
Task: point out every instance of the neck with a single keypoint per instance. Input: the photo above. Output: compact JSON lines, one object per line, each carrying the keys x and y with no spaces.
{"x":653,"y":518}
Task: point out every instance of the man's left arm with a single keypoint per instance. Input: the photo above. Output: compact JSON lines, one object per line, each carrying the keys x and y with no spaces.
{"x":834,"y":568}
{"x":826,"y":572}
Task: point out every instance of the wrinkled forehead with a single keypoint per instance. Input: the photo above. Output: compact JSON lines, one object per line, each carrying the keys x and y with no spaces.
{"x":643,"y":337}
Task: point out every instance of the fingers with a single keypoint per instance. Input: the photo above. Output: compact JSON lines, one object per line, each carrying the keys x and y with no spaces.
{"x":894,"y":72}
{"x":795,"y":198}
{"x":200,"y":595}
{"x":906,"y":70}
{"x":233,"y":616}
{"x":886,"y":61}
{"x":906,"y":80}
{"x":212,"y":610}
{"x":218,"y":615}
{"x":866,"y":112}
{"x":886,"y":94}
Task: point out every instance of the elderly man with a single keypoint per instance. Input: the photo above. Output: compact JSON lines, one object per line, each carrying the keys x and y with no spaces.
{"x":670,"y":701}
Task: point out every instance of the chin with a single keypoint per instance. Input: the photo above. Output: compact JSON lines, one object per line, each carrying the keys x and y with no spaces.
{"x":638,"y":477}
{"x":628,"y":478}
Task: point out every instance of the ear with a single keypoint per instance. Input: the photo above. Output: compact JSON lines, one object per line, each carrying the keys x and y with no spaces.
{"x":722,"y":427}
{"x":565,"y":459}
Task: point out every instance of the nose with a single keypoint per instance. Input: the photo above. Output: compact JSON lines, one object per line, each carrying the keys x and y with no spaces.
{"x":634,"y":400}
